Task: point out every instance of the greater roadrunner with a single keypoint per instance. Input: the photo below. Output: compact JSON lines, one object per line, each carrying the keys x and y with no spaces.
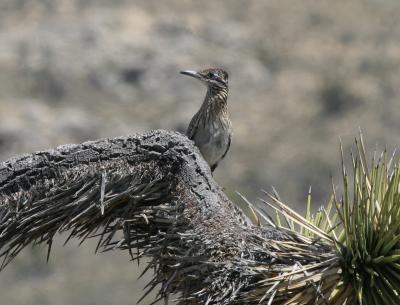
{"x":211,"y":127}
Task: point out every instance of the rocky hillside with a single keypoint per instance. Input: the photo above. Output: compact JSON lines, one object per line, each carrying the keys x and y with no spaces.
{"x":302,"y":75}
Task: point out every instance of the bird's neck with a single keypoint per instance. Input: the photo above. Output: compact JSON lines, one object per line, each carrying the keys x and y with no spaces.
{"x":217,"y":98}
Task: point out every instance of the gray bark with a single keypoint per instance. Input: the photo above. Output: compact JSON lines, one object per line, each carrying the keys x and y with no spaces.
{"x":158,"y":192}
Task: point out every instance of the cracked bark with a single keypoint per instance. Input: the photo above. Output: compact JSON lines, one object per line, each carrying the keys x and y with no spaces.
{"x":155,"y":189}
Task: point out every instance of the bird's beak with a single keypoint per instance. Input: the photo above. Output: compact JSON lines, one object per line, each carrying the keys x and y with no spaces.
{"x":191,"y":73}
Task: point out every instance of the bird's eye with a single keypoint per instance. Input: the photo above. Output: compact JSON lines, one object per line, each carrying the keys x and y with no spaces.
{"x":210,"y":75}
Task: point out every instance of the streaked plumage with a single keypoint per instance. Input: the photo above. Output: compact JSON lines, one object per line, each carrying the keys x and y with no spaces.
{"x":211,"y":128}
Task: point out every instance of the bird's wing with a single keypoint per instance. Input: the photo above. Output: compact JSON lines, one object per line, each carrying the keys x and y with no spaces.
{"x":228,"y":146}
{"x":194,"y":123}
{"x":214,"y":166}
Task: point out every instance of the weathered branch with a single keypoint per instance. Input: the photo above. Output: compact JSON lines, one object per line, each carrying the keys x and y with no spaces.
{"x":158,"y":192}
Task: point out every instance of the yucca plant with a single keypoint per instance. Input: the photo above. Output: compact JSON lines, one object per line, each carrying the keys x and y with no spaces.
{"x":360,"y":231}
{"x":369,"y":240}
{"x":200,"y":244}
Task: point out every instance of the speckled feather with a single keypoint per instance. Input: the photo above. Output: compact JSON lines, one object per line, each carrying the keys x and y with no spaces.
{"x":211,"y":127}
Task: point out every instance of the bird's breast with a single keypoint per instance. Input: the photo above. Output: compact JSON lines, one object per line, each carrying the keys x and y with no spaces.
{"x":213,"y":141}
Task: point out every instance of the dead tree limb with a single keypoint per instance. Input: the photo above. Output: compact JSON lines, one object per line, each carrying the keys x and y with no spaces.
{"x":152,"y":195}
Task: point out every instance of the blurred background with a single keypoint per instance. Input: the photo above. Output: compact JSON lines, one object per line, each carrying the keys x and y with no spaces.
{"x":303,"y":74}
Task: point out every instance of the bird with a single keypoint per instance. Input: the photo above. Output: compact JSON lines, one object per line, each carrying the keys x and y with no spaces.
{"x":211,"y":128}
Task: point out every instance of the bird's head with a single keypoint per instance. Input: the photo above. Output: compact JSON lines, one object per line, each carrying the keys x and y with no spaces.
{"x":214,"y":77}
